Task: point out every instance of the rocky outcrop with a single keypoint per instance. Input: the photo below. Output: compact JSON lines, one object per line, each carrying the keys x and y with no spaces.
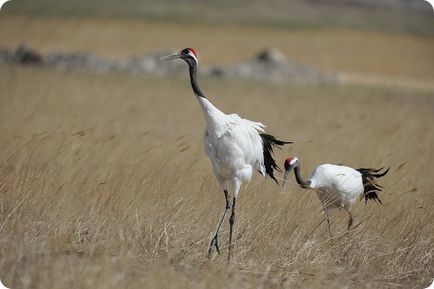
{"x":272,"y":65}
{"x":268,"y":65}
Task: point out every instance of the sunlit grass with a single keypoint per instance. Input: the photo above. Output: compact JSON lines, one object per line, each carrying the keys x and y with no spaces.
{"x":104,"y":184}
{"x":365,"y":56}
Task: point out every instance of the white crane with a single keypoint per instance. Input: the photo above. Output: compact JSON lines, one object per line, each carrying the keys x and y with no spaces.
{"x":338,"y":186}
{"x":234,"y":146}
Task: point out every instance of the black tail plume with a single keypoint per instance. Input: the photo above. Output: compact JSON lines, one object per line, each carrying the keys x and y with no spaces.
{"x":268,"y":144}
{"x":371,"y":187}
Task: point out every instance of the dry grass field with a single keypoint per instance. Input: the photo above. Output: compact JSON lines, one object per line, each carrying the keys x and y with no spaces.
{"x":367,"y":56}
{"x":104,"y":184}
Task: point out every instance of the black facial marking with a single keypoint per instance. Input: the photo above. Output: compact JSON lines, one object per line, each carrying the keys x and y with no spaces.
{"x":185,"y":51}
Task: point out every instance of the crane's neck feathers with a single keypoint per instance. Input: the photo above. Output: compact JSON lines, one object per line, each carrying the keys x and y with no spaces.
{"x":193,"y":80}
{"x":212,"y":114}
{"x":303,"y":183}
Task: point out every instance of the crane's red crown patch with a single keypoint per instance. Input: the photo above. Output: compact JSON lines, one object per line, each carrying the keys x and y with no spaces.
{"x":193,"y":51}
{"x":289,"y":161}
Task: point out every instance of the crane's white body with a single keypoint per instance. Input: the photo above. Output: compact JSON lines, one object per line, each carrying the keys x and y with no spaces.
{"x":233,"y":146}
{"x":337,"y":186}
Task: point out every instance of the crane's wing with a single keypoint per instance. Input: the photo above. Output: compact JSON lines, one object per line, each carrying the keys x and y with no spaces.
{"x":344,"y":181}
{"x":234,"y":120}
{"x":371,"y":187}
{"x":2,"y":2}
{"x":235,"y":148}
{"x":242,"y":134}
{"x":349,"y":184}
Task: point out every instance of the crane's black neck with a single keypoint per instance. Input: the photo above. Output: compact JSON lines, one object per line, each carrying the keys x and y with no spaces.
{"x":193,"y":80}
{"x":303,"y":183}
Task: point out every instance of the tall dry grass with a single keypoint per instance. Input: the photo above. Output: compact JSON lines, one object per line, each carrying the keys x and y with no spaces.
{"x":104,"y":184}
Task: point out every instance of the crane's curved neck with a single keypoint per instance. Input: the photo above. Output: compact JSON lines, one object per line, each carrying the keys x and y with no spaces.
{"x":193,"y":81}
{"x":303,"y":183}
{"x":213,"y":115}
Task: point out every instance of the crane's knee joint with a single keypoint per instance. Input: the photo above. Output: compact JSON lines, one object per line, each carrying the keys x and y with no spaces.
{"x":232,"y":219}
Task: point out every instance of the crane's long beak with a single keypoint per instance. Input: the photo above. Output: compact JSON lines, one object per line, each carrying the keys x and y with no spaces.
{"x":171,"y":56}
{"x":286,"y":177}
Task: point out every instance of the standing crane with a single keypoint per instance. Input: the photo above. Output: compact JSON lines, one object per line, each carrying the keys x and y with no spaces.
{"x":338,"y":186}
{"x":234,"y":146}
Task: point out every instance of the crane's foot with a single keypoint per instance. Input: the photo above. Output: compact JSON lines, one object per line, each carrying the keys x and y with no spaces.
{"x":214,"y":244}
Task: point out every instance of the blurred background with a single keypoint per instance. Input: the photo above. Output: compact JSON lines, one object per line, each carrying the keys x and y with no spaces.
{"x":365,"y":41}
{"x":103,"y":178}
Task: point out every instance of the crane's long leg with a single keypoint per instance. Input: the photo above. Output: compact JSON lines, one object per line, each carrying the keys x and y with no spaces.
{"x":350,"y":219}
{"x":231,"y":227}
{"x":326,"y":212}
{"x":214,"y":241}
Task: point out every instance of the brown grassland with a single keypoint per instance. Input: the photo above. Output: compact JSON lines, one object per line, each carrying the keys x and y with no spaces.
{"x":364,"y":55}
{"x":104,"y":182}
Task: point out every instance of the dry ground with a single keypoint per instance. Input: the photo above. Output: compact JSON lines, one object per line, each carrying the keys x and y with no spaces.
{"x":363,"y":56}
{"x":104,"y":184}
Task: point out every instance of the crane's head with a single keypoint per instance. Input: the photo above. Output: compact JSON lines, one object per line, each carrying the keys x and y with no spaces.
{"x":290,"y":163}
{"x":189,"y":55}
